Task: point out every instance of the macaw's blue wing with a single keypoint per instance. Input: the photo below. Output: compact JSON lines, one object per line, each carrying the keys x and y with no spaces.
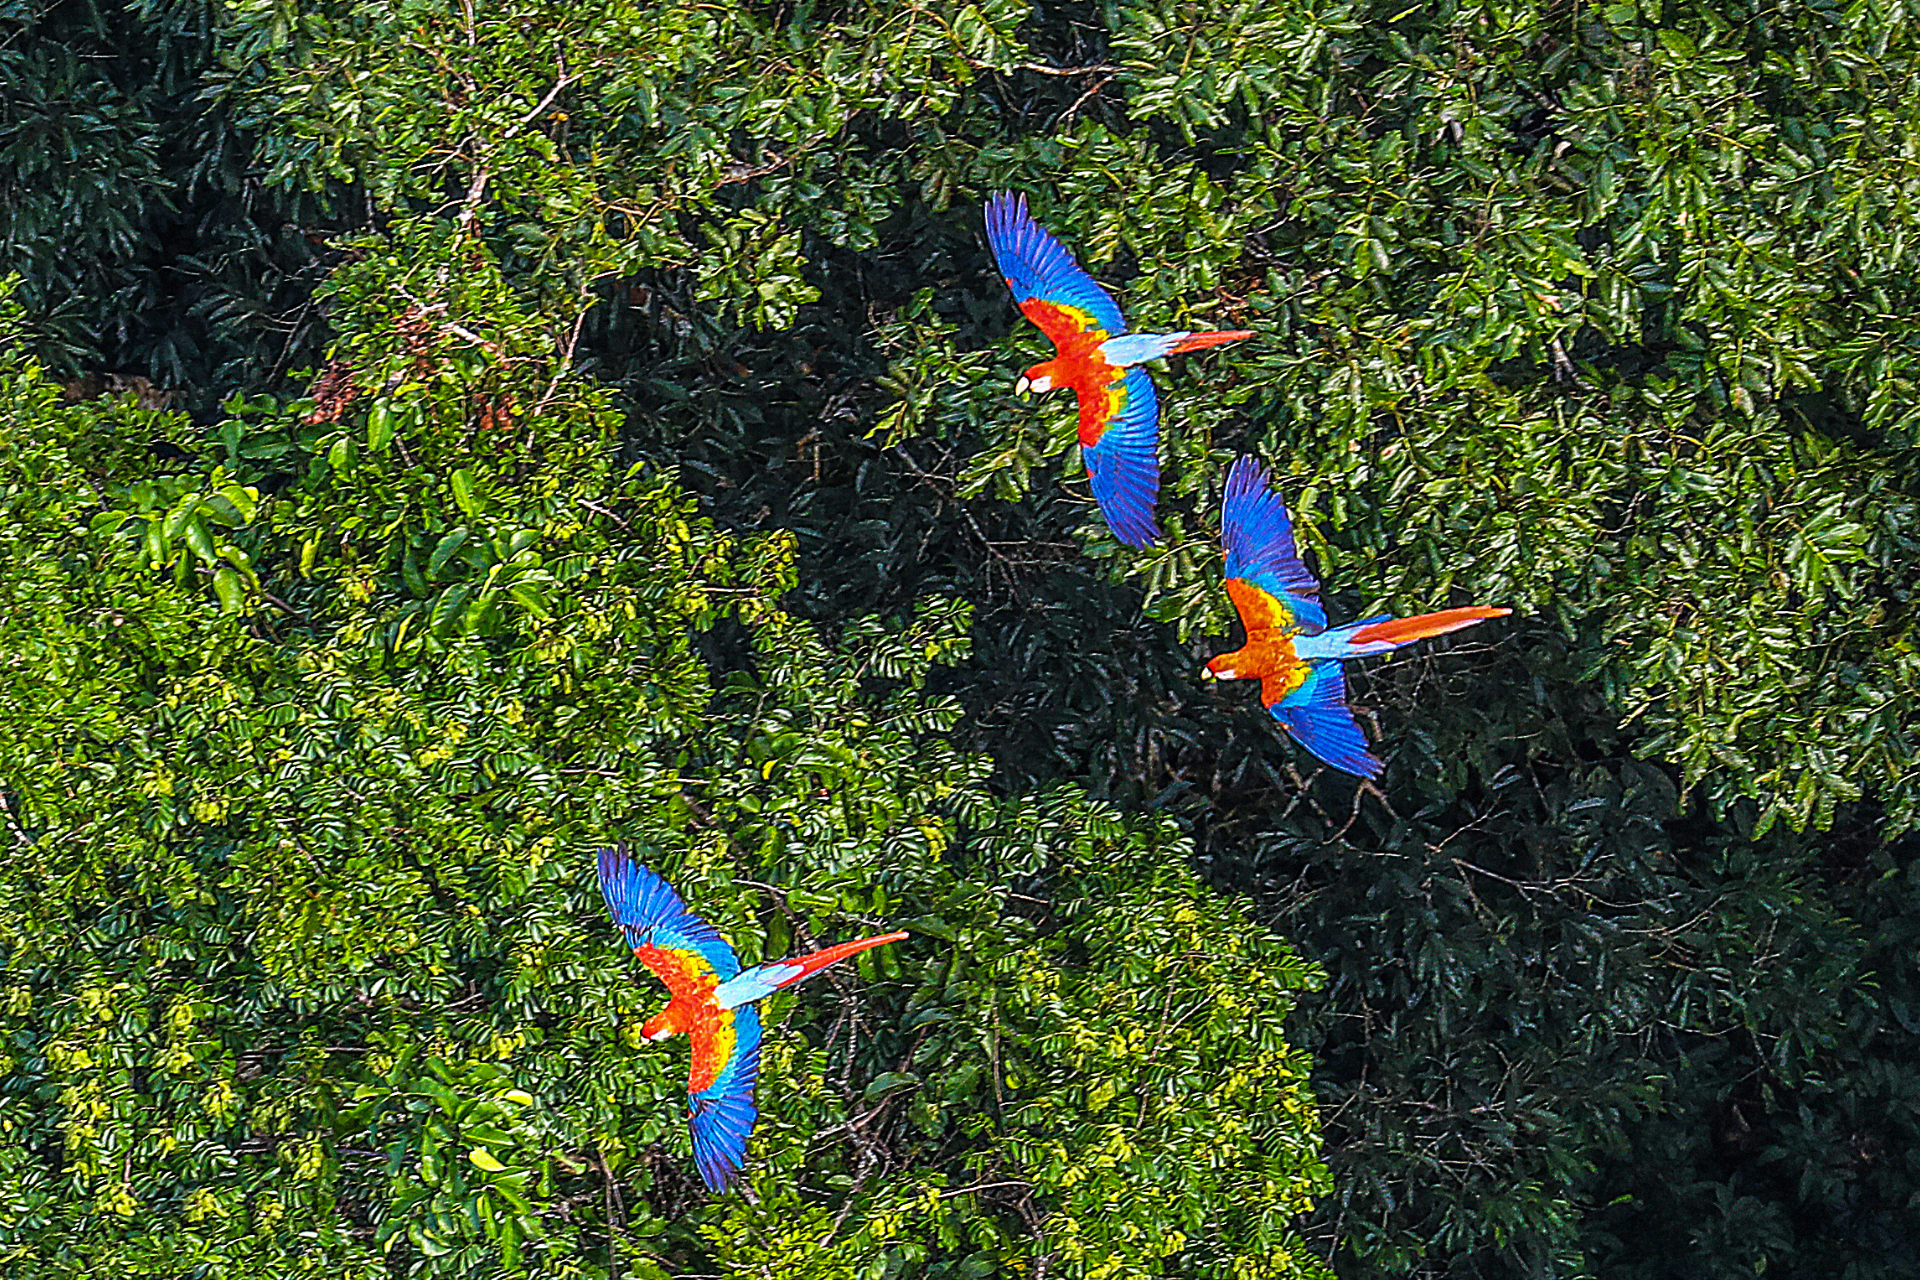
{"x":722,"y":1114}
{"x":651,"y":914}
{"x":1315,"y":712}
{"x":1261,"y":553}
{"x":1123,"y":462}
{"x":1038,"y":268}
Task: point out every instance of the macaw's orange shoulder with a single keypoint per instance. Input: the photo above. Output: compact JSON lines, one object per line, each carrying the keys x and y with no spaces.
{"x":1265,"y":655}
{"x":1261,"y":610}
{"x":687,"y":973}
{"x":1070,"y":327}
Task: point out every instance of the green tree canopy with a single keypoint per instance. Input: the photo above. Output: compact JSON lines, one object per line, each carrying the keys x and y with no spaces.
{"x":307,"y":970}
{"x":1593,"y":311}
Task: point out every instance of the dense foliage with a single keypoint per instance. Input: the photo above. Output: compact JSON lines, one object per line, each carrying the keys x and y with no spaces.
{"x":307,"y":970}
{"x":1598,"y":312}
{"x":146,"y":241}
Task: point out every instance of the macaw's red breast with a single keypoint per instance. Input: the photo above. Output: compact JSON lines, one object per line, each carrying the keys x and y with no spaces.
{"x":1099,"y":405}
{"x":1077,"y":338}
{"x":713,"y":1044}
{"x":1265,"y":655}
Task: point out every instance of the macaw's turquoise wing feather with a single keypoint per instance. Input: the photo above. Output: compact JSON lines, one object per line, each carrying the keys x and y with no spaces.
{"x":1315,"y":712}
{"x":1038,"y":268}
{"x":651,"y":914}
{"x":722,"y":1114}
{"x":1261,"y":554}
{"x":1123,"y":462}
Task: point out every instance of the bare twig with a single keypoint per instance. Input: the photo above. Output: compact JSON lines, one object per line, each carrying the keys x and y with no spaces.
{"x":564,"y":80}
{"x":616,"y":1214}
{"x":566,"y":357}
{"x":13,"y":824}
{"x":984,"y":1186}
{"x":1045,"y":70}
{"x":613,"y":516}
{"x":1080,"y":101}
{"x":282,"y":605}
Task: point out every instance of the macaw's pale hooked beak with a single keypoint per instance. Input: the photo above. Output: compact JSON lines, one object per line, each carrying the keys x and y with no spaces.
{"x":662,"y":1024}
{"x":1022,"y":384}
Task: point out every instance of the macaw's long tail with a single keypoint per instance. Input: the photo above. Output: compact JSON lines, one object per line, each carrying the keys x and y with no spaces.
{"x":804,"y":965}
{"x":764,"y":980}
{"x":1199,"y":341}
{"x":1378,"y":635}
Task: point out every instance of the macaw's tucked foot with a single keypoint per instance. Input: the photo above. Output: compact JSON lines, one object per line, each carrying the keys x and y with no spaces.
{"x":1200,"y":341}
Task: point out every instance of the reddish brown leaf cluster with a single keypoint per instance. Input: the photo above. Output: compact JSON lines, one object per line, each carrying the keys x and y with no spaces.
{"x":416,"y":335}
{"x":332,"y":392}
{"x":93,"y":385}
{"x":494,"y":412}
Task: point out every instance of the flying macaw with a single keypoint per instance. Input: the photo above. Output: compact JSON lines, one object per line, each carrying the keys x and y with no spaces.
{"x":1289,"y":649}
{"x":1096,"y":356}
{"x":712,"y":1002}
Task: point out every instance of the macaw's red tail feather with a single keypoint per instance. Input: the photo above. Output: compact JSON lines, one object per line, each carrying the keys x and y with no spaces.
{"x":821,"y":959}
{"x":1196,"y":341}
{"x":1401,"y":630}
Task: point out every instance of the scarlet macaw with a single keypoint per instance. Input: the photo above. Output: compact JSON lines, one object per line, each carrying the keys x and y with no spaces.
{"x":1096,"y":356}
{"x":712,"y":1002}
{"x":1289,"y":649}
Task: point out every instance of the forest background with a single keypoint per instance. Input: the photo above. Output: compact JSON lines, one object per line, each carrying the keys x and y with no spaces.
{"x":438,"y":437}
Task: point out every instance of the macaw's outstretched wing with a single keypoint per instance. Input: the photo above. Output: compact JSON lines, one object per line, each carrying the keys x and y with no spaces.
{"x":1120,"y":443}
{"x":720,"y":1110}
{"x":658,"y":926}
{"x":1314,"y":710}
{"x":1269,"y":585}
{"x":1049,"y":285}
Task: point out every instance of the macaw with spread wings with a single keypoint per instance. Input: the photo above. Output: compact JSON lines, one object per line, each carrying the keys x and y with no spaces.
{"x":712,"y":1003}
{"x":1289,"y":649}
{"x":1096,"y":356}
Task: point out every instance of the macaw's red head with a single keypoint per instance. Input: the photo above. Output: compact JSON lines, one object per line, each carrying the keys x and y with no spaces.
{"x":671,"y":1020}
{"x":1222,"y":668}
{"x":1038,"y":378}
